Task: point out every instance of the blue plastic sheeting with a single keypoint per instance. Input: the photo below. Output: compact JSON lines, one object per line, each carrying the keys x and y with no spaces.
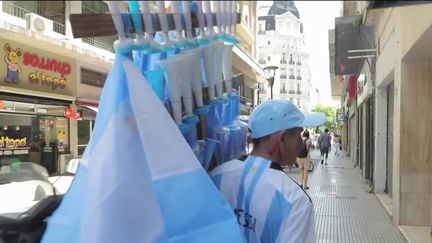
{"x":133,"y":160}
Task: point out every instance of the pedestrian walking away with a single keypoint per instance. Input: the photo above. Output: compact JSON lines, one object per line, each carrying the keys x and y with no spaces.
{"x":324,"y":142}
{"x":270,"y":206}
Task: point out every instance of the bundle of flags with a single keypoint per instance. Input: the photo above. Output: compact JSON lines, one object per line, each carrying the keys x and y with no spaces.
{"x":138,"y":180}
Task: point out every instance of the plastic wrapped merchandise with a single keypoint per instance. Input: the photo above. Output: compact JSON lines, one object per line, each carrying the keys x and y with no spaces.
{"x":242,"y":145}
{"x":234,"y":106}
{"x":233,"y":148}
{"x":222,"y":134}
{"x":199,"y":149}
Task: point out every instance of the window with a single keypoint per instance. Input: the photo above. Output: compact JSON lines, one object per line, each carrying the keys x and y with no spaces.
{"x":291,"y":72}
{"x":261,"y":88}
{"x":268,"y":58}
{"x":298,"y":102}
{"x":298,"y":88}
{"x":268,"y":42}
{"x":85,"y":128}
{"x":93,"y":78}
{"x":298,"y":73}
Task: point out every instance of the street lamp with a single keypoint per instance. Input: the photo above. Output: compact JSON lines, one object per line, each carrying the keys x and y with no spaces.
{"x":270,"y":74}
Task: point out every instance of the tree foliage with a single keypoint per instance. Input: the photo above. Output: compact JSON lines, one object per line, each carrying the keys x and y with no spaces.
{"x":330,"y":112}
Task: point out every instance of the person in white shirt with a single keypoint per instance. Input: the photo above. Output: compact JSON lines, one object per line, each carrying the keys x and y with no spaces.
{"x":269,"y":205}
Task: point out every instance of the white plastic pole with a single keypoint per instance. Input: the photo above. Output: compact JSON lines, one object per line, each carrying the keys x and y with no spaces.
{"x":195,"y":67}
{"x":146,"y":14}
{"x":188,"y":19}
{"x":218,"y":69}
{"x":171,"y":69}
{"x":177,"y":19}
{"x":163,"y":21}
{"x":209,"y":66}
{"x":186,"y":81}
{"x":227,"y":68}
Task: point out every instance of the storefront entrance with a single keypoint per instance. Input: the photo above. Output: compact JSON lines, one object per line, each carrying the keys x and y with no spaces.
{"x":33,"y":132}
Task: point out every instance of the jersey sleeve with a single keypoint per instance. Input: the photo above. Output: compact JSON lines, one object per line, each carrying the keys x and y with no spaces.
{"x":299,"y":225}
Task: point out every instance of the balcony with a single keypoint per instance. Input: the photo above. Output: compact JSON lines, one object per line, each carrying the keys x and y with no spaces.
{"x":298,"y":63}
{"x":299,"y":92}
{"x":105,"y":43}
{"x":283,"y":76}
{"x":283,"y":91}
{"x":291,"y":62}
{"x":261,"y":32}
{"x":298,"y":78}
{"x":263,"y":91}
{"x":261,"y":61}
{"x":19,"y":12}
{"x":292,"y":91}
{"x":283,"y":61}
{"x":291,"y":77}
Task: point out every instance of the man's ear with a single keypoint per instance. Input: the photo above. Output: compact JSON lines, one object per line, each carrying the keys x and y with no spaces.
{"x":279,"y":137}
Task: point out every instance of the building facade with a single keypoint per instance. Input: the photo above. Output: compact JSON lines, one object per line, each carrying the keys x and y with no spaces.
{"x":386,"y":105}
{"x":281,"y":43}
{"x":49,"y":82}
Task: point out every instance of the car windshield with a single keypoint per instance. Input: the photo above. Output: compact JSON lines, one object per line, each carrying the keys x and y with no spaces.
{"x":22,"y":185}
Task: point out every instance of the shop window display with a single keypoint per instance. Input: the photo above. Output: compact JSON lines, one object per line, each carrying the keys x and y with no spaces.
{"x":33,"y":137}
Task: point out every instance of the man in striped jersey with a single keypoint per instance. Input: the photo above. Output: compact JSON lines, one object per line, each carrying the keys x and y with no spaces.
{"x":269,"y":205}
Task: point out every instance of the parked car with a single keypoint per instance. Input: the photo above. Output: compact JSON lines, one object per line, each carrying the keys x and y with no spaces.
{"x":27,"y":199}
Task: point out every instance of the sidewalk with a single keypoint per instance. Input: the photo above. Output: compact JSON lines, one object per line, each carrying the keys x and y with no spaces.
{"x":344,"y":209}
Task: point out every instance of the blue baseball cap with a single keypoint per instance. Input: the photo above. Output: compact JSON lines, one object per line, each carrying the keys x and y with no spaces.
{"x":277,"y":115}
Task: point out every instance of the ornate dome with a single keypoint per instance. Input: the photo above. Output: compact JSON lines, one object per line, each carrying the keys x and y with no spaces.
{"x":281,"y":7}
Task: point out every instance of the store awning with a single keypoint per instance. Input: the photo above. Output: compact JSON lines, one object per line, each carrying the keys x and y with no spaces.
{"x":352,"y":38}
{"x":245,"y":64}
{"x":95,"y":109}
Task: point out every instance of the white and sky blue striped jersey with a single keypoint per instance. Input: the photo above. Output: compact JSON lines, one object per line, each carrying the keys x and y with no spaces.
{"x":269,"y":205}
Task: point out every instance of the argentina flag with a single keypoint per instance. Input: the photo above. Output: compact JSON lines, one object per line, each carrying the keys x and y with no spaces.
{"x":138,"y":180}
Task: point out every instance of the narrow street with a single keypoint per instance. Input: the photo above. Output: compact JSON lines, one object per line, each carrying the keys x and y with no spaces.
{"x":345,"y":210}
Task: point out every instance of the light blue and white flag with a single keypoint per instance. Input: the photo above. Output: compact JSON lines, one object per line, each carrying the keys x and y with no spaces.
{"x":138,"y":180}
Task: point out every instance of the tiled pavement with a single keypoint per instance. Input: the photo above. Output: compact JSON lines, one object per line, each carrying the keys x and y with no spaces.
{"x":345,"y":211}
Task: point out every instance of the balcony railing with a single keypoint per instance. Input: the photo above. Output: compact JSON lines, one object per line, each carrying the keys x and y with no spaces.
{"x":283,"y":91}
{"x":261,"y":61}
{"x":246,"y":101}
{"x":59,"y":28}
{"x":299,"y":78}
{"x":299,"y":63}
{"x":101,"y":42}
{"x":14,"y":10}
{"x":299,"y":92}
{"x":291,"y":62}
{"x":283,"y":61}
{"x":262,"y":91}
{"x":19,"y":12}
{"x":291,"y":77}
{"x":292,"y":92}
{"x":261,"y":32}
{"x":283,"y":76}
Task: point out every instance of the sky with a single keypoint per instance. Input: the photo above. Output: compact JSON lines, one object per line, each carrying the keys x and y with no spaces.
{"x":318,"y":18}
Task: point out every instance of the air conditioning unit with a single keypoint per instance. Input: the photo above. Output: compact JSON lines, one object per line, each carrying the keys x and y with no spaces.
{"x":38,"y":23}
{"x":63,"y":160}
